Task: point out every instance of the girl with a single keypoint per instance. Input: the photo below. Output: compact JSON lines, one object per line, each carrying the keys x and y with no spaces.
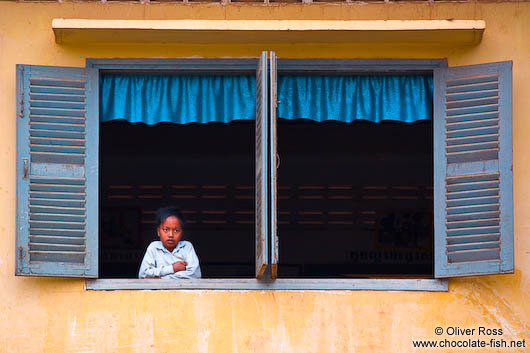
{"x":170,"y":257}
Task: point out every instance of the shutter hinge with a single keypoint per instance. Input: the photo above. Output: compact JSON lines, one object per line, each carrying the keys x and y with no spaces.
{"x":20,"y":257}
{"x":21,"y":114}
{"x":25,"y":161}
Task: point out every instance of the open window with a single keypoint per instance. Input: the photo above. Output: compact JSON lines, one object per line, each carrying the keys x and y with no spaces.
{"x":355,"y":178}
{"x":308,"y":204}
{"x":74,"y":156}
{"x":471,"y":149}
{"x":184,"y":138}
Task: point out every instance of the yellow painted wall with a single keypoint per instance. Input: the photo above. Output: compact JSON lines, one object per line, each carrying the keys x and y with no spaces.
{"x":54,"y":315}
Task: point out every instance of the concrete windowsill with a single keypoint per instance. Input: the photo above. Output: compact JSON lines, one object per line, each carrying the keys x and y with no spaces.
{"x":431,"y":285}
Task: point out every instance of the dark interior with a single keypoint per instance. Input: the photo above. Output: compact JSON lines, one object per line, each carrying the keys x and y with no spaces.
{"x":355,"y":199}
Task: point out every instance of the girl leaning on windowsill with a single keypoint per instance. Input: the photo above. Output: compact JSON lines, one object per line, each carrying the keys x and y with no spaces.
{"x":170,"y":257}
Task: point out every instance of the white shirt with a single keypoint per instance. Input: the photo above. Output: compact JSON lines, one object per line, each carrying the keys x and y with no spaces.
{"x":158,"y":261}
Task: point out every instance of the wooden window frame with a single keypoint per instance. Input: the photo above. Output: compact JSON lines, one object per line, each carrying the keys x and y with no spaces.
{"x":283,"y":65}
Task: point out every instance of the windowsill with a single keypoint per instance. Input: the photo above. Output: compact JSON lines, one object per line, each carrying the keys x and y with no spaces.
{"x":429,"y":285}
{"x":423,"y":32}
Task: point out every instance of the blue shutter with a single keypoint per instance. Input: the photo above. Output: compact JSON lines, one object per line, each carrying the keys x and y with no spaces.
{"x":273,"y":155}
{"x":473,"y":177}
{"x":57,"y":171}
{"x":262,"y":134}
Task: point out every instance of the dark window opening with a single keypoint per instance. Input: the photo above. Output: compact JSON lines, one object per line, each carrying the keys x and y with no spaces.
{"x":355,"y":199}
{"x":205,"y":169}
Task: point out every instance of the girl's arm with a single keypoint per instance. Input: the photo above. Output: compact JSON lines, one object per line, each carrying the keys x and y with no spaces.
{"x":148,"y":268}
{"x":193,"y":269}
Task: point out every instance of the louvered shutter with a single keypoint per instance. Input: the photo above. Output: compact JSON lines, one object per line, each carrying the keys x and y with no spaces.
{"x":273,"y":155}
{"x":57,"y":171}
{"x":262,"y":135}
{"x":473,"y":177}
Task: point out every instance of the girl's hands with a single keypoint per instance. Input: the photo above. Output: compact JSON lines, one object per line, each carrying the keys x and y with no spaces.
{"x":179,"y":266}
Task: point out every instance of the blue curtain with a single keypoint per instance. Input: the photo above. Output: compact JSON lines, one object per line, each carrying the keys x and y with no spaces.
{"x":182,"y":99}
{"x":345,"y":98}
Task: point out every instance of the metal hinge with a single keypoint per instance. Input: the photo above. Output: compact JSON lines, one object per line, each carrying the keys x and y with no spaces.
{"x":20,"y":257}
{"x":25,"y":167}
{"x":21,"y":114}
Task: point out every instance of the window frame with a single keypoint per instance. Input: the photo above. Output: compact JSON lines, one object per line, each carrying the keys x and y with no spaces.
{"x":283,"y":65}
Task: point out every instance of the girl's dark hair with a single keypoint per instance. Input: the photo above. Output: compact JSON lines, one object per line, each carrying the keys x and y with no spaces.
{"x":171,"y":211}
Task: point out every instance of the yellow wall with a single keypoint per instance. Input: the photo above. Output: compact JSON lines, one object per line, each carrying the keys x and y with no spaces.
{"x":53,"y":315}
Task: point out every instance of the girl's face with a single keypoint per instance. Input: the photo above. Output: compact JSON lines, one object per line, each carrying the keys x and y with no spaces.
{"x":170,"y":232}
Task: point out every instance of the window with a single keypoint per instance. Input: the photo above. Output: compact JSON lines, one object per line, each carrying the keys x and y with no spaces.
{"x":57,"y":218}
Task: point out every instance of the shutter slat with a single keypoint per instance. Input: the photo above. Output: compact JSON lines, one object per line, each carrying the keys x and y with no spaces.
{"x":57,"y":112}
{"x":472,"y":139}
{"x":57,"y":229}
{"x":56,"y":247}
{"x":58,"y":119}
{"x":472,"y":95}
{"x":474,"y":255}
{"x":56,"y":224}
{"x":56,"y":141}
{"x":473,"y":132}
{"x":472,"y":231}
{"x":476,"y":102}
{"x":57,"y":134}
{"x":472,"y":117}
{"x":59,"y":195}
{"x":480,"y":155}
{"x":66,"y":91}
{"x":60,"y":104}
{"x":57,"y":202}
{"x":466,"y":81}
{"x":57,"y":97}
{"x":58,"y":232}
{"x":72,"y":188}
{"x":465,"y":185}
{"x":472,"y":209}
{"x":472,"y":178}
{"x":472,"y":124}
{"x":57,"y":210}
{"x":473,"y":216}
{"x":57,"y":126}
{"x":473,"y":147}
{"x":473,"y":223}
{"x":473,"y":110}
{"x":468,"y":239}
{"x":57,"y":256}
{"x":473,"y":202}
{"x":41,"y":180}
{"x":474,"y":87}
{"x":41,"y":239}
{"x":473,"y":246}
{"x":62,"y":217}
{"x":56,"y":157}
{"x":55,"y":82}
{"x":469,"y":198}
{"x":57,"y":148}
